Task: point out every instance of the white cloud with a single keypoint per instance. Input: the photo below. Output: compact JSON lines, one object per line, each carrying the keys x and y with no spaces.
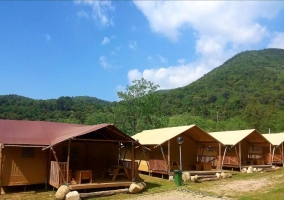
{"x":181,"y":61}
{"x":47,"y":37}
{"x":99,"y":10}
{"x":82,"y":14}
{"x":106,"y":40}
{"x":104,"y":63}
{"x":149,"y":58}
{"x":163,"y":59}
{"x":134,"y":74}
{"x":170,"y":77}
{"x":221,"y":29}
{"x":132,"y":45}
{"x":277,"y":41}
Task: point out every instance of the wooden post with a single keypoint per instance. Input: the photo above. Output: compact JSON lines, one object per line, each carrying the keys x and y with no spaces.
{"x":240,"y":154}
{"x":270,"y":157}
{"x":132,"y":161}
{"x":86,"y":154}
{"x":169,"y":156}
{"x":60,"y":170}
{"x":282,"y":153}
{"x":68,"y":161}
{"x":0,"y":168}
{"x":163,"y":153}
{"x":220,"y":156}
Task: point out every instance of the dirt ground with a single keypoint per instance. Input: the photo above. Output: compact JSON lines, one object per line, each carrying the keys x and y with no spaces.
{"x":222,"y":189}
{"x":174,"y":195}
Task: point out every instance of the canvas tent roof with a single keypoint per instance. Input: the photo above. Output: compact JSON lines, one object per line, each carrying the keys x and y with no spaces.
{"x":231,"y":138}
{"x":17,"y":132}
{"x":275,"y":138}
{"x":162,"y":135}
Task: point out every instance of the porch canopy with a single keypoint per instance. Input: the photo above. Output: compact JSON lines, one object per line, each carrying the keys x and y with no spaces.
{"x":162,"y":135}
{"x":275,"y":139}
{"x":231,"y":138}
{"x":42,"y":133}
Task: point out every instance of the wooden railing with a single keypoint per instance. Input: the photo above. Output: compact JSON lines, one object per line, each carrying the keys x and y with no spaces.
{"x":127,"y":165}
{"x":230,"y":161}
{"x":157,"y":165}
{"x":55,"y":177}
{"x":276,"y":159}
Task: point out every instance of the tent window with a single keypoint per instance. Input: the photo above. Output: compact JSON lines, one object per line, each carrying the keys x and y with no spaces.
{"x":255,"y":149}
{"x":210,"y":149}
{"x":28,"y":152}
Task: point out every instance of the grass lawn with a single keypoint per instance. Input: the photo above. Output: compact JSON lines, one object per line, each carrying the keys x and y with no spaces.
{"x":267,"y":185}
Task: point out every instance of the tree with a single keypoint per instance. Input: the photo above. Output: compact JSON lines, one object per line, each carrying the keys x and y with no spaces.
{"x":257,"y":115}
{"x":139,"y":108}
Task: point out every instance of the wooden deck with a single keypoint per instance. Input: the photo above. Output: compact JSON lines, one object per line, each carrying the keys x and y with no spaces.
{"x":101,"y":184}
{"x":199,"y":173}
{"x":257,"y":166}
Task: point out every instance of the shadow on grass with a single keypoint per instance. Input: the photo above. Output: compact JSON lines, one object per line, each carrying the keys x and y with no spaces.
{"x":152,"y":185}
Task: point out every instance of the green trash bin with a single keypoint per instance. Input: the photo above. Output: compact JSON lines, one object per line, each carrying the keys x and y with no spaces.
{"x":178,"y":177}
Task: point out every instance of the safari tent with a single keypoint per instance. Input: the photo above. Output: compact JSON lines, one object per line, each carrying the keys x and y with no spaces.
{"x":242,"y":148}
{"x":80,"y":156}
{"x":162,"y":150}
{"x":274,"y":153}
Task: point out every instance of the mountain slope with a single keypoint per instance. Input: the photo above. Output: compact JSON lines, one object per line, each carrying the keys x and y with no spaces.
{"x":257,"y":75}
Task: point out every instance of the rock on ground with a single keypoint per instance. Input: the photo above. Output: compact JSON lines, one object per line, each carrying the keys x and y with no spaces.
{"x":74,"y":195}
{"x":61,"y":192}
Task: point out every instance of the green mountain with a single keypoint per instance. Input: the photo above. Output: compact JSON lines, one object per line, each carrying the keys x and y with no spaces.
{"x":247,"y":91}
{"x":248,"y":79}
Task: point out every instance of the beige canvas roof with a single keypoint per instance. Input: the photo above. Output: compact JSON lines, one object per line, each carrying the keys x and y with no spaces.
{"x":162,"y":135}
{"x":275,"y":138}
{"x":231,"y":138}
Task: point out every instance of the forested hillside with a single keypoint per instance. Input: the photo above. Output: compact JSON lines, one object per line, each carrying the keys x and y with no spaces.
{"x":247,"y":91}
{"x":249,"y":86}
{"x":63,"y":109}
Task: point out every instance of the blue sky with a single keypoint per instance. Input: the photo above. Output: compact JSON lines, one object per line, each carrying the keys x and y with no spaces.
{"x":50,"y":49}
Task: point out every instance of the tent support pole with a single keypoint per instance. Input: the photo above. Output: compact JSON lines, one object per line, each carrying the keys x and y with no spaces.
{"x":0,"y":167}
{"x":282,"y":153}
{"x":68,"y":161}
{"x":240,"y":155}
{"x":223,"y":158}
{"x":132,"y":161}
{"x":272,"y":155}
{"x":169,"y":156}
{"x":60,"y":170}
{"x":219,"y":160}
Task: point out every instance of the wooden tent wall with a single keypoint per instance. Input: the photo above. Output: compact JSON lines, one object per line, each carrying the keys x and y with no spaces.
{"x":244,"y":151}
{"x":189,"y":153}
{"x":93,"y":156}
{"x":208,"y":155}
{"x":19,"y":170}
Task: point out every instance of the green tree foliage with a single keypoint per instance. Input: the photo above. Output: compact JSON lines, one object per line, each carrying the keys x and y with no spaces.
{"x":257,"y":115}
{"x":139,"y":108}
